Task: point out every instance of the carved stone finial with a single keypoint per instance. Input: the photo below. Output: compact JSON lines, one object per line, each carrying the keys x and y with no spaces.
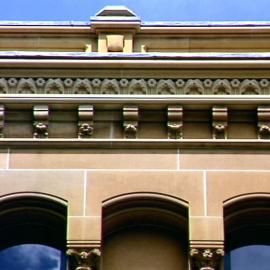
{"x":130,"y":121}
{"x":85,"y":121}
{"x":175,"y":122}
{"x":84,"y":259}
{"x":206,"y":258}
{"x":220,"y":122}
{"x":2,"y":120}
{"x":41,"y":121}
{"x":263,"y":114}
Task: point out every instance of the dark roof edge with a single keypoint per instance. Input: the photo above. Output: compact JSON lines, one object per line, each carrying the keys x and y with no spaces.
{"x":143,"y":24}
{"x":45,"y":23}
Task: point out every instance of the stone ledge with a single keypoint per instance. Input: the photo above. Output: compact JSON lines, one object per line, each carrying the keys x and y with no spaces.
{"x":235,"y":144}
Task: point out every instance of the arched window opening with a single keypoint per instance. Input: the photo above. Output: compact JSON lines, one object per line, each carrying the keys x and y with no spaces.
{"x":145,"y":233}
{"x":32,"y":233}
{"x":247,"y":238}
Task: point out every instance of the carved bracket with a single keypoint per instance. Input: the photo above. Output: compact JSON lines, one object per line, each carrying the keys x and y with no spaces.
{"x":2,"y":120}
{"x":206,"y":258}
{"x":263,"y":115}
{"x":219,"y":122}
{"x":84,"y":259}
{"x":41,"y":121}
{"x":175,"y":122}
{"x":85,"y":121}
{"x":130,"y":121}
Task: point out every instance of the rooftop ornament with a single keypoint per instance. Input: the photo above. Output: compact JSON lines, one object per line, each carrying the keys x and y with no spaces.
{"x":115,"y":17}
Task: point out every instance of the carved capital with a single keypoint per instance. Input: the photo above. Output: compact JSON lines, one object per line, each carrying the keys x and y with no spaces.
{"x":41,"y":121}
{"x":130,"y":121}
{"x":206,"y":258}
{"x":83,"y":259}
{"x":85,"y":121}
{"x":219,"y":122}
{"x":175,"y":122}
{"x":2,"y":120}
{"x":263,"y":115}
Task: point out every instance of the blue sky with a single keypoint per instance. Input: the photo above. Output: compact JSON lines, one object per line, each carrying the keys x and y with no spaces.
{"x":148,"y":10}
{"x":30,"y":257}
{"x":249,"y":258}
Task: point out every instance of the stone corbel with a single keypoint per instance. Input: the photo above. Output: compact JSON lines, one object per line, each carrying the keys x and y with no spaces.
{"x":84,"y":259}
{"x":130,"y":121}
{"x":2,"y":120}
{"x":219,"y":122}
{"x":85,"y":121}
{"x":41,"y":121}
{"x":206,"y":258}
{"x":263,"y":115}
{"x":175,"y":122}
{"x":115,"y":43}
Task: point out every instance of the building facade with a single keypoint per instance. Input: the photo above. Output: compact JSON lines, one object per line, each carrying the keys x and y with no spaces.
{"x":132,"y":143}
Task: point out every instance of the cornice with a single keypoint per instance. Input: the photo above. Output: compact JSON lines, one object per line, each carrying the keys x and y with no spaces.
{"x":217,"y":64}
{"x":139,"y":99}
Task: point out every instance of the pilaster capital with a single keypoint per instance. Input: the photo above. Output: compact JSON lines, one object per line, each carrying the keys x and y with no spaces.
{"x":206,"y":258}
{"x":84,"y":258}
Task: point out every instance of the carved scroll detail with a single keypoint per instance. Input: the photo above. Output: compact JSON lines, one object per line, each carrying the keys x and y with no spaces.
{"x":2,"y":120}
{"x":41,"y":121}
{"x":86,"y":121}
{"x":84,"y":259}
{"x":175,"y":122}
{"x":263,"y":114}
{"x":130,"y":121}
{"x":206,"y":258}
{"x":220,"y":122}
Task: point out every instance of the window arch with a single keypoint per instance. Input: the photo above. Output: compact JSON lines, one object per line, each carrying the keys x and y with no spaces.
{"x":247,"y":238}
{"x":138,"y":227}
{"x":33,"y":223}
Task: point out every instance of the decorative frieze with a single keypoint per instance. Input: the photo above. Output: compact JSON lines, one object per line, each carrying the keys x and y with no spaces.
{"x":219,"y":122}
{"x":84,"y":259}
{"x":263,"y":115}
{"x":85,"y":121}
{"x":130,"y":121}
{"x":175,"y":121}
{"x":41,"y":121}
{"x":206,"y":258}
{"x":134,"y":86}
